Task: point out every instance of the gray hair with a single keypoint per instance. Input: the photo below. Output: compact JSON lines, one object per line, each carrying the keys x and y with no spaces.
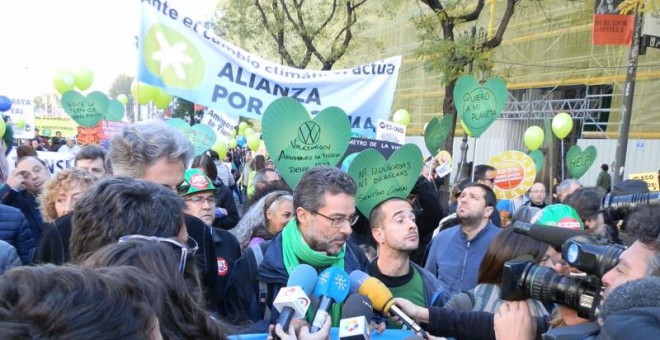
{"x":255,"y":217}
{"x":567,"y":183}
{"x":316,"y":182}
{"x":141,"y":145}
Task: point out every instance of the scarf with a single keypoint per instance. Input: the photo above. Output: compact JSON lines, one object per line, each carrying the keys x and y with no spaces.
{"x":295,"y":249}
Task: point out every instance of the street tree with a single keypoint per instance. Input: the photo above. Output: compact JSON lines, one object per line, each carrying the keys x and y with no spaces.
{"x":300,"y":34}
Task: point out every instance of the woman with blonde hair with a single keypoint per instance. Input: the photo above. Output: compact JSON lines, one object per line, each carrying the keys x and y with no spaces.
{"x":61,"y":192}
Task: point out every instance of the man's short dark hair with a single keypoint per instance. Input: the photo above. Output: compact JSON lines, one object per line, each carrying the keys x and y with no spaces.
{"x":313,"y":185}
{"x":605,"y":167}
{"x":120,"y":206}
{"x":586,"y":201}
{"x":376,"y":214}
{"x":644,"y":225}
{"x":480,"y":171}
{"x":489,"y":195}
{"x":92,"y":152}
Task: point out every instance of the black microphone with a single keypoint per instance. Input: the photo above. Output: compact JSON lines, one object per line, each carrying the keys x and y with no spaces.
{"x":356,"y":317}
{"x":552,"y":235}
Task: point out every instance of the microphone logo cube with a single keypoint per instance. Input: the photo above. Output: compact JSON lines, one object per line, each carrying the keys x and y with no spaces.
{"x":293,"y":297}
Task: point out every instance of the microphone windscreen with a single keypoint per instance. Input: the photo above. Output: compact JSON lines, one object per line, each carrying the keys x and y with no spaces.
{"x":639,"y":293}
{"x":304,"y":276}
{"x":358,"y":305}
{"x":378,"y":293}
{"x":333,"y":283}
{"x":357,"y":277}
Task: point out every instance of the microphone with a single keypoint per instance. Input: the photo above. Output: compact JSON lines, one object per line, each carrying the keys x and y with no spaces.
{"x":356,"y":278}
{"x":292,"y":301}
{"x":356,"y":317}
{"x":383,"y":301}
{"x":332,"y":287}
{"x":552,"y":235}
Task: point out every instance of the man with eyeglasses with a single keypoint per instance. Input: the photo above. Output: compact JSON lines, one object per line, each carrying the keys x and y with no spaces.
{"x":199,"y":194}
{"x":394,"y":229}
{"x":456,"y":252}
{"x":155,"y":152}
{"x":23,"y":187}
{"x":324,"y":208}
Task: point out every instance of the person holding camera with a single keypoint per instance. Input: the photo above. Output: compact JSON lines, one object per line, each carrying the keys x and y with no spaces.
{"x":514,"y":321}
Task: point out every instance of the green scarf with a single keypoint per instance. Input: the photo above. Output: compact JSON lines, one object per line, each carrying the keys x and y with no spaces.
{"x":294,"y":249}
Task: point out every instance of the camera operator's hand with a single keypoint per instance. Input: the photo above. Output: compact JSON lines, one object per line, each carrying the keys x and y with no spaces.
{"x":513,"y":321}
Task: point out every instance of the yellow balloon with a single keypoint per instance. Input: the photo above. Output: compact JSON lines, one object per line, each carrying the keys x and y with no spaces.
{"x":162,"y":99}
{"x":220,"y":147}
{"x":562,"y":124}
{"x":122,"y":98}
{"x":401,"y":116}
{"x":3,"y":127}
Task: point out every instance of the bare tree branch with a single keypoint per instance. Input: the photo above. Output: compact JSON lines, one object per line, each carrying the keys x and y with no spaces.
{"x":496,"y":40}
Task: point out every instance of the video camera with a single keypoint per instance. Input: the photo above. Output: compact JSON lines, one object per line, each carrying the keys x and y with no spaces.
{"x":523,"y":279}
{"x":615,"y":208}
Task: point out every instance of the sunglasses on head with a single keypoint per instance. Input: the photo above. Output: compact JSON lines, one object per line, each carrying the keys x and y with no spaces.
{"x":190,"y":248}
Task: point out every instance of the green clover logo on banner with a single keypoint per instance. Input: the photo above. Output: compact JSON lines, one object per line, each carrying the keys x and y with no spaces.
{"x":297,"y":142}
{"x":173,"y":57}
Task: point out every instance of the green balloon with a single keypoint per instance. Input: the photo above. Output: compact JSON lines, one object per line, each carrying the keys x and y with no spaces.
{"x":3,"y":127}
{"x":562,"y":124}
{"x":63,"y":81}
{"x":401,"y":116}
{"x":253,"y":141}
{"x":533,"y":137}
{"x":162,"y":99}
{"x":220,"y":147}
{"x":145,"y":92}
{"x":83,"y":78}
{"x":122,"y":98}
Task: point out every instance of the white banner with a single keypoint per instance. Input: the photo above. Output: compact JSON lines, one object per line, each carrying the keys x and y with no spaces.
{"x":191,"y":62}
{"x":222,"y":124}
{"x":21,"y":116}
{"x":391,"y":132}
{"x":55,"y":161}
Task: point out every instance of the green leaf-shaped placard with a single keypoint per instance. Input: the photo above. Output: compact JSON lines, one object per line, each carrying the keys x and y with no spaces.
{"x":86,"y":111}
{"x":578,"y":161}
{"x":436,"y":132}
{"x":201,"y":136}
{"x":538,"y":158}
{"x":115,"y":111}
{"x":297,"y":143}
{"x":479,"y":105}
{"x":379,"y":179}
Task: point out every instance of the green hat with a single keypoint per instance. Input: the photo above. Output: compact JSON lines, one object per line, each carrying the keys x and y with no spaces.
{"x":560,"y":215}
{"x":196,"y":181}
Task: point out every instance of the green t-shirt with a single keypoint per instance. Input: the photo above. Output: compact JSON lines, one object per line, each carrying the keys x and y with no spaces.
{"x":409,"y":287}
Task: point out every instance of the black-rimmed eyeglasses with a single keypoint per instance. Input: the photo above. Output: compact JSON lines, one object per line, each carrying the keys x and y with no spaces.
{"x":338,"y":222}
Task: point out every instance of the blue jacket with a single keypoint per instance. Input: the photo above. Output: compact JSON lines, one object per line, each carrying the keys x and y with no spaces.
{"x":8,"y":257}
{"x":14,"y":230}
{"x":28,"y":205}
{"x":455,"y":260}
{"x":243,"y":289}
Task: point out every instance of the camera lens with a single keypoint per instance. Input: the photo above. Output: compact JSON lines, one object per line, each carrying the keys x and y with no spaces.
{"x":545,"y":284}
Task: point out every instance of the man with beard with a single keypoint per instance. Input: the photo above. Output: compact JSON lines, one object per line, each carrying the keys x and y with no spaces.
{"x":324,"y":208}
{"x":394,"y":230}
{"x":456,"y":252}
